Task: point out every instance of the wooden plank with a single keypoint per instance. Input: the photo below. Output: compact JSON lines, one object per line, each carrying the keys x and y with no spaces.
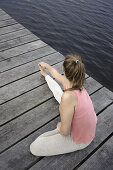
{"x":24,"y":103}
{"x":7,"y":107}
{"x":21,"y":50}
{"x":29,"y":112}
{"x":27,"y":57}
{"x":96,"y":85}
{"x":24,"y":58}
{"x":25,"y":124}
{"x":13,"y":35}
{"x":13,"y":157}
{"x":7,"y":22}
{"x":4,"y":17}
{"x":21,"y":86}
{"x":27,"y":101}
{"x":71,"y":160}
{"x":23,"y":159}
{"x":101,"y":99}
{"x":101,"y":159}
{"x":17,"y":42}
{"x":2,"y":12}
{"x":9,"y":134}
{"x":28,"y":68}
{"x":11,"y":28}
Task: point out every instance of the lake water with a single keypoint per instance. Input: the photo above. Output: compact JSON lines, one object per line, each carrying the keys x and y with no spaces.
{"x":83,"y":27}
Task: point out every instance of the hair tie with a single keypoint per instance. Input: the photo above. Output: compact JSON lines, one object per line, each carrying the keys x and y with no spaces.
{"x":76,"y":61}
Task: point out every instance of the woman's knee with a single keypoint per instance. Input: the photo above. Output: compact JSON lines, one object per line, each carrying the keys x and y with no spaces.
{"x":33,"y":148}
{"x":38,"y":147}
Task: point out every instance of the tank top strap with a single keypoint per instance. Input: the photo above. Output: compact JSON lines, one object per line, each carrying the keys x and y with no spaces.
{"x":76,"y":91}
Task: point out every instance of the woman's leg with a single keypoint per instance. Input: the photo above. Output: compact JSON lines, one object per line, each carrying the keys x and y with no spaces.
{"x":57,"y":92}
{"x":54,"y":87}
{"x":49,"y":133}
{"x":54,"y":145}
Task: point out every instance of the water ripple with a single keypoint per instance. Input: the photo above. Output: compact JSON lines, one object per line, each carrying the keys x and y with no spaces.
{"x":83,"y":27}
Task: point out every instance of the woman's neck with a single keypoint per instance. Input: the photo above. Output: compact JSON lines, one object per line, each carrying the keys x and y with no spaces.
{"x":68,"y":84}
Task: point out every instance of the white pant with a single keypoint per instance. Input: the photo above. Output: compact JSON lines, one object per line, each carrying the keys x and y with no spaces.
{"x":52,"y":142}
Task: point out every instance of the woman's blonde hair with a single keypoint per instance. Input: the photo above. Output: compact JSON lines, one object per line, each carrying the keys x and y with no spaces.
{"x":74,"y":71}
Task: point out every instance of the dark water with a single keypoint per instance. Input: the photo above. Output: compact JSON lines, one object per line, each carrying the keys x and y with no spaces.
{"x":83,"y":27}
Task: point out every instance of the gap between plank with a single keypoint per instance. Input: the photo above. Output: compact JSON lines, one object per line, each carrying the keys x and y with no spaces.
{"x":28,"y":61}
{"x":13,"y":31}
{"x":15,"y":37}
{"x":32,"y":89}
{"x":24,"y":53}
{"x":28,"y":109}
{"x":28,"y":90}
{"x":86,"y":158}
{"x":28,"y":134}
{"x":97,"y":89}
{"x":97,"y":148}
{"x":6,"y":18}
{"x":20,"y":44}
{"x":47,"y":123}
{"x":8,"y":24}
{"x":28,"y":74}
{"x":104,"y":108}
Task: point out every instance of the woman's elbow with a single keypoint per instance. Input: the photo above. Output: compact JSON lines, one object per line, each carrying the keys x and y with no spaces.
{"x":65,"y":132}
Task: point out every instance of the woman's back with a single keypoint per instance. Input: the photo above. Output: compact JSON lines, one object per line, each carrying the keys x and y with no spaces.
{"x":84,"y":120}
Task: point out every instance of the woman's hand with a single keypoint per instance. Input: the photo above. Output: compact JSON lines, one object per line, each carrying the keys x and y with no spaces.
{"x":42,"y":69}
{"x":43,"y":64}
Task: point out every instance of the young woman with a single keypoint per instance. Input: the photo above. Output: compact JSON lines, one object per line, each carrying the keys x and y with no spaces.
{"x":77,"y":127}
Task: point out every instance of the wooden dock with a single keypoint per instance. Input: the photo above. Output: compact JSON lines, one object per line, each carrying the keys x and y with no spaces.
{"x":28,"y":108}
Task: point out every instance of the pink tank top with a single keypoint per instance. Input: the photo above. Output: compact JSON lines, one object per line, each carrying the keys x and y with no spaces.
{"x":83,"y":126}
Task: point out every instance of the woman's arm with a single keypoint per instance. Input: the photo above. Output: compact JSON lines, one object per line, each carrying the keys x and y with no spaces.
{"x":66,"y":108}
{"x":60,"y":78}
{"x":59,"y":126}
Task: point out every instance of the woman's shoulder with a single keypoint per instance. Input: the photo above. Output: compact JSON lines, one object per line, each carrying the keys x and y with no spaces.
{"x":69,"y":95}
{"x":69,"y":98}
{"x":66,"y":95}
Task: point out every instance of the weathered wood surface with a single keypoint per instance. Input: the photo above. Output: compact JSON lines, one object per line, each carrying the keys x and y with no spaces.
{"x":7,"y":54}
{"x":2,"y":12}
{"x":24,"y":159}
{"x":7,"y":23}
{"x":17,"y":42}
{"x":25,"y":58}
{"x":30,"y":82}
{"x":13,"y":35}
{"x":28,"y":68}
{"x":14,"y":91}
{"x":71,"y":160}
{"x":102,"y":159}
{"x":11,"y":28}
{"x":26,"y":118}
{"x":4,"y":17}
{"x":28,"y":107}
